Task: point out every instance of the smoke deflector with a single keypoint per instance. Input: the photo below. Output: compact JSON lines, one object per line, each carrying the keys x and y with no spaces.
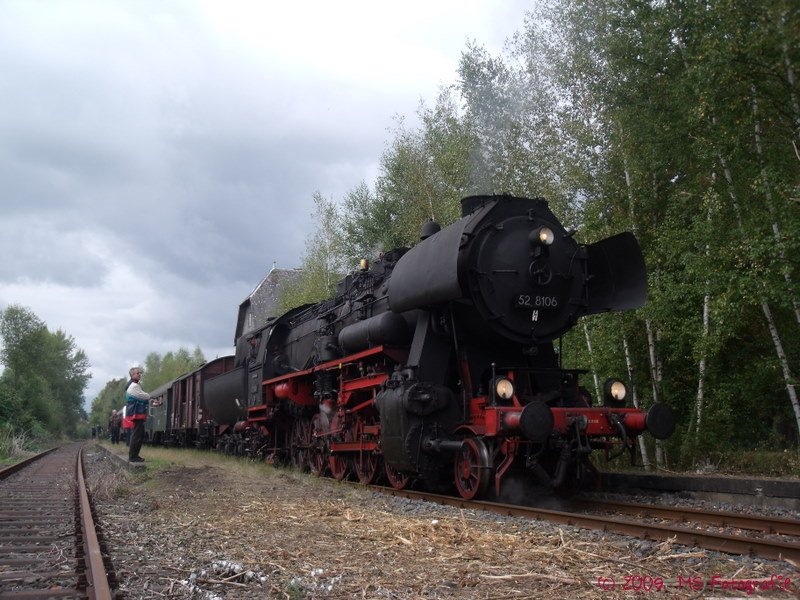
{"x":617,"y":274}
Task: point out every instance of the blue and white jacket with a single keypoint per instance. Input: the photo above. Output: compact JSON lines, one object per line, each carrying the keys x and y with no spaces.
{"x":136,"y":402}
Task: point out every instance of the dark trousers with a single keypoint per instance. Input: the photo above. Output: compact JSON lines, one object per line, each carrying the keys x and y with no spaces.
{"x":137,"y":437}
{"x":115,"y":435}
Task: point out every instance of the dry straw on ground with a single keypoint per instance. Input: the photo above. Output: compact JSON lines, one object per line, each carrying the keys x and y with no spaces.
{"x":202,"y":527}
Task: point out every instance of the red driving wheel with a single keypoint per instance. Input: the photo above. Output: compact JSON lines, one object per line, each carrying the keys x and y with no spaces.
{"x":472,"y":468}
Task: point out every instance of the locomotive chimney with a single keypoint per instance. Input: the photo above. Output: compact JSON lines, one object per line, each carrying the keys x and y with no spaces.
{"x":429,"y":229}
{"x":472,"y":203}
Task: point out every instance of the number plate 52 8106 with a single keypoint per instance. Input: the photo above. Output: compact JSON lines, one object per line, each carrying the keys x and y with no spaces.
{"x":528,"y":301}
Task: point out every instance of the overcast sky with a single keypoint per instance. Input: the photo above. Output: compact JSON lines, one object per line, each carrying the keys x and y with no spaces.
{"x":157,"y":156}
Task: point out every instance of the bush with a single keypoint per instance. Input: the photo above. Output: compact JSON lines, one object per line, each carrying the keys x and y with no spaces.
{"x":768,"y":463}
{"x":12,"y":442}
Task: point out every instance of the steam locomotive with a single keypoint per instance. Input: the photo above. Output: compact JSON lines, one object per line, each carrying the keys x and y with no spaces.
{"x":435,"y":364}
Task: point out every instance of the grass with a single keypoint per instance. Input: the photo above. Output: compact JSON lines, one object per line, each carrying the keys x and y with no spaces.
{"x":753,"y":463}
{"x":756,"y":463}
{"x":767,"y":463}
{"x":159,"y":458}
{"x":12,"y":444}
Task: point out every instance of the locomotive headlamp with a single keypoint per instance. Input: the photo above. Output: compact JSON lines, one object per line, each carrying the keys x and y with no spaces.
{"x":503,"y":388}
{"x":615,"y":392}
{"x":543,"y":236}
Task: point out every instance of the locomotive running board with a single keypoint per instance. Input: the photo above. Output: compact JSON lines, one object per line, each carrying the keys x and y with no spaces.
{"x":399,"y":355}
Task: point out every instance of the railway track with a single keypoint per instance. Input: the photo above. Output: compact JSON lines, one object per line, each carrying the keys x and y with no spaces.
{"x":691,"y":527}
{"x":730,"y":520}
{"x":48,"y":542}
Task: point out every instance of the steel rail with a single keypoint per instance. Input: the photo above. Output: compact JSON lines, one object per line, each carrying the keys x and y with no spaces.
{"x":731,"y":544}
{"x":719,"y":518}
{"x":97,"y":586}
{"x":11,"y":469}
{"x":48,"y":542}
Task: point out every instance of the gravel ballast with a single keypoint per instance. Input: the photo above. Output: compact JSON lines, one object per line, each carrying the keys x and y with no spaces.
{"x":197,"y":525}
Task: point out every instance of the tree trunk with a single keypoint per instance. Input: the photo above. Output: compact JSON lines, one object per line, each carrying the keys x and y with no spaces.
{"x":598,"y":396}
{"x":697,"y":419}
{"x":787,"y":376}
{"x":642,"y":446}
{"x":776,"y":232}
{"x":655,"y":377}
{"x":790,"y":81}
{"x":650,"y":341}
{"x":701,"y":368}
{"x":773,"y":330}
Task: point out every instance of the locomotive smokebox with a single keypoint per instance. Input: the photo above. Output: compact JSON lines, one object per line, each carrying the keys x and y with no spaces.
{"x":511,"y":268}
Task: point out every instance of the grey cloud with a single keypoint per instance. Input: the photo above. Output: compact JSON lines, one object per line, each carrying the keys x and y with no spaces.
{"x":149,"y":149}
{"x":35,"y":251}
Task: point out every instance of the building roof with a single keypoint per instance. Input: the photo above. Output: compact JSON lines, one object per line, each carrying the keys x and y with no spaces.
{"x":262,"y":302}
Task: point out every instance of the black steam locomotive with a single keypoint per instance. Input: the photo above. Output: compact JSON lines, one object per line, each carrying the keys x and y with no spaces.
{"x":437,"y":363}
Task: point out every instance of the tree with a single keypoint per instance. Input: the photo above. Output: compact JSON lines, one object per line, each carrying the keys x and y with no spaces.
{"x":672,"y":88}
{"x":66,"y":372}
{"x":323,"y":262}
{"x":45,"y":374}
{"x":369,"y":225}
{"x":111,"y":397}
{"x":425,"y":172}
{"x":159,"y":370}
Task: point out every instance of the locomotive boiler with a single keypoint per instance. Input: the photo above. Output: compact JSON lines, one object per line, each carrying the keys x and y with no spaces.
{"x":437,"y":364}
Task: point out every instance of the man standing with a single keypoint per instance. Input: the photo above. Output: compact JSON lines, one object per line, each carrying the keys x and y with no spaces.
{"x":136,"y":404}
{"x":114,"y":424}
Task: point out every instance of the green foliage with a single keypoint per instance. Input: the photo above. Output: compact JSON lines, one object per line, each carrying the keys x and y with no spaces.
{"x":12,"y":441}
{"x":11,"y":403}
{"x":111,"y":397}
{"x":699,"y":133}
{"x":368,"y":225}
{"x":323,"y":261}
{"x":426,"y":172}
{"x":159,"y":370}
{"x":45,"y":375}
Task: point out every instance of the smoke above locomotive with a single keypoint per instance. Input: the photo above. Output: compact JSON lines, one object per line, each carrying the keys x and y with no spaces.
{"x":436,"y":364}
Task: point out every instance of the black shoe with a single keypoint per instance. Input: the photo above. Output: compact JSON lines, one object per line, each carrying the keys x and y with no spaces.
{"x":136,"y":459}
